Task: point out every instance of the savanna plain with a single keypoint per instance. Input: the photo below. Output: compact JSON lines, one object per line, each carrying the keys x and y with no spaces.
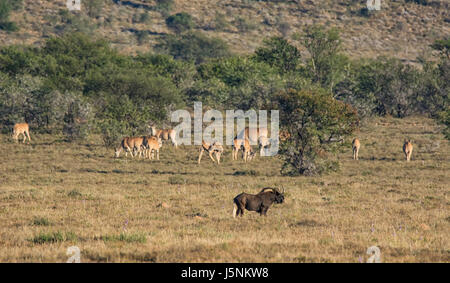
{"x":54,"y":195}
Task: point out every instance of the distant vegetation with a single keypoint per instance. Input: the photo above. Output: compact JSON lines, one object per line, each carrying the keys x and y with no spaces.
{"x":6,"y":6}
{"x":76,"y":84}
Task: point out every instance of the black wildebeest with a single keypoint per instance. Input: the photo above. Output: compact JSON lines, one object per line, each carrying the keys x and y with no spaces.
{"x":259,"y":202}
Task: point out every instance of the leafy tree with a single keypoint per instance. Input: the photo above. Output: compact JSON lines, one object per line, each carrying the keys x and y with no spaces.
{"x":277,"y":52}
{"x":326,"y":64}
{"x":316,"y":123}
{"x":246,"y":82}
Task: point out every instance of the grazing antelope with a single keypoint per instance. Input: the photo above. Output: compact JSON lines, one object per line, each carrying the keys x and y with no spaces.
{"x":131,"y":144}
{"x":21,"y":128}
{"x":151,"y":145}
{"x":123,"y":146}
{"x":215,"y":147}
{"x":407,"y":149}
{"x":166,"y":135}
{"x":247,"y":150}
{"x":355,"y":146}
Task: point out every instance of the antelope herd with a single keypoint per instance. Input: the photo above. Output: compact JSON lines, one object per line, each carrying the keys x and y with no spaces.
{"x":147,"y":146}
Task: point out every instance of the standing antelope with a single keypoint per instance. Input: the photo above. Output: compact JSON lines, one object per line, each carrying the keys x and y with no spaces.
{"x":21,"y":128}
{"x":166,"y":135}
{"x":215,"y":147}
{"x":255,"y":136}
{"x":247,"y":150}
{"x":355,"y":146}
{"x":407,"y":149}
{"x":152,"y":144}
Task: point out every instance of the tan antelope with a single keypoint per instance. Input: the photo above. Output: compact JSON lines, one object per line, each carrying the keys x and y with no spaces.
{"x":247,"y":152}
{"x":151,"y":145}
{"x":355,"y":146}
{"x":133,"y":145}
{"x":255,"y":136}
{"x":21,"y":129}
{"x":123,"y":146}
{"x":166,"y":135}
{"x":215,"y":148}
{"x":407,"y":149}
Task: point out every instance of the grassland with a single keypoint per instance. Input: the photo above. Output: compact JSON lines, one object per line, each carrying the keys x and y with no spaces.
{"x":54,"y":195}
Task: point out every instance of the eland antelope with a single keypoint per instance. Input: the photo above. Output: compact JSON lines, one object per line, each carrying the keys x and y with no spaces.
{"x":21,"y":128}
{"x":355,"y":146}
{"x":166,"y":135}
{"x":215,"y":147}
{"x":255,"y":136}
{"x":407,"y":149}
{"x":247,"y":152}
{"x":152,"y":144}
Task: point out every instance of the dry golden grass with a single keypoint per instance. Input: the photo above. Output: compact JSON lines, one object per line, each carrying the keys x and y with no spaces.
{"x":54,"y":195}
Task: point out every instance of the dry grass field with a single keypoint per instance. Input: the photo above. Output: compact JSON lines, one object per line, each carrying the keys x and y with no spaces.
{"x":54,"y":195}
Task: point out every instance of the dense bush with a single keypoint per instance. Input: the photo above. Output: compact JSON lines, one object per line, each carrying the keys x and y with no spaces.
{"x":180,"y":22}
{"x":277,"y":52}
{"x":316,"y":123}
{"x":164,"y":6}
{"x":194,"y":47}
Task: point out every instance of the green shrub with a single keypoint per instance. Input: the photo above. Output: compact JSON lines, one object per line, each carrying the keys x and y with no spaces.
{"x":193,"y":46}
{"x":180,"y":22}
{"x":125,"y":237}
{"x":278,"y":52}
{"x":54,"y":237}
{"x":6,"y":6}
{"x":164,"y":6}
{"x":316,"y":123}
